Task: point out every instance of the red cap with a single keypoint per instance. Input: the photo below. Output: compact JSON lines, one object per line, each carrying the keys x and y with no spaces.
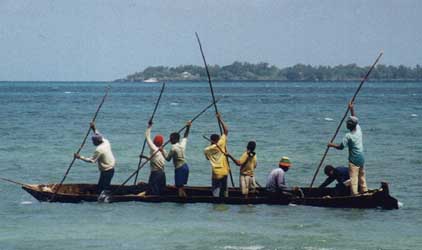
{"x":158,"y":140}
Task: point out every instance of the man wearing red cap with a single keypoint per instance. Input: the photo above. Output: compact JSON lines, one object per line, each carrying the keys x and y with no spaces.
{"x":157,"y":177}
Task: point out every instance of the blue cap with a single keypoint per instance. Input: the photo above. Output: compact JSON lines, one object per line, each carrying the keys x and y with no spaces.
{"x":97,"y":138}
{"x":352,"y":120}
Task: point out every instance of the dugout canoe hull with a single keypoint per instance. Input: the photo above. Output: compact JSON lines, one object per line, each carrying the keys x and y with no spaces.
{"x":75,"y":193}
{"x":377,"y":198}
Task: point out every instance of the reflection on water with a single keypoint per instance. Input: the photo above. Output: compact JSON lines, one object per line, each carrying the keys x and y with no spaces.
{"x":220,"y":207}
{"x":247,"y":209}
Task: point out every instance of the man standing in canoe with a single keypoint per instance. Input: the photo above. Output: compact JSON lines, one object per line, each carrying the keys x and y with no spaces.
{"x":216,"y":154}
{"x":177,"y":153}
{"x":247,"y":163}
{"x":106,"y":162}
{"x":157,"y":177}
{"x":353,"y":140}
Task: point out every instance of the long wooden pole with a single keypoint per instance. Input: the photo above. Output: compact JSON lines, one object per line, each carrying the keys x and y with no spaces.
{"x":213,"y":98}
{"x":145,"y":140}
{"x":82,"y":144}
{"x":184,"y":127}
{"x":12,"y":181}
{"x":345,"y":115}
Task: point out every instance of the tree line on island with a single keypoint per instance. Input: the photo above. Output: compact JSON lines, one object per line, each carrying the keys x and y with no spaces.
{"x":244,"y":71}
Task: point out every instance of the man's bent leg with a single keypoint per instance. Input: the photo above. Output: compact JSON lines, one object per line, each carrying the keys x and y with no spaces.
{"x":362,"y":180}
{"x":224,"y":191}
{"x":215,"y":188}
{"x":103,"y":187}
{"x":107,"y":179}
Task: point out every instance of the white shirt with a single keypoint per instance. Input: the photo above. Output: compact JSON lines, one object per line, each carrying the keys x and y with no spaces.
{"x":177,"y":153}
{"x":157,"y":161}
{"x":103,"y":156}
{"x":276,"y":180}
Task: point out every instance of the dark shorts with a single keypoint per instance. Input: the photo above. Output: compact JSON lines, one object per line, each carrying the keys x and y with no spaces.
{"x":105,"y":180}
{"x":219,"y":187}
{"x":156,"y":182}
{"x":181,"y":175}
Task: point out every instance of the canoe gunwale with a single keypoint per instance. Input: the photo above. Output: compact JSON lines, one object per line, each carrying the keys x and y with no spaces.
{"x":377,"y":198}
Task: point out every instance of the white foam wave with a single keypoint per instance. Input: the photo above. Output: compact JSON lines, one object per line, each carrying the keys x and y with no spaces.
{"x":401,"y":204}
{"x":328,"y":119}
{"x":317,"y":248}
{"x":243,"y":247}
{"x":414,"y":115}
{"x":26,"y":202}
{"x":68,"y":92}
{"x":174,"y":104}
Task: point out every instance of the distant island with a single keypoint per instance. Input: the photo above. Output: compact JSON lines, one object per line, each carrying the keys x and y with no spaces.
{"x":243,"y":71}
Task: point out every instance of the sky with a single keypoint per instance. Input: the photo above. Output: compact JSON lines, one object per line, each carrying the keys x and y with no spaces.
{"x":102,"y":40}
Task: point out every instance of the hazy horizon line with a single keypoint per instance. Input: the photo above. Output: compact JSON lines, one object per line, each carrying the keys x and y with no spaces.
{"x":123,"y":77}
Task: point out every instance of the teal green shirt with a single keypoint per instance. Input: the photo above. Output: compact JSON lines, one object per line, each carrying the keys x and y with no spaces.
{"x":353,"y":140}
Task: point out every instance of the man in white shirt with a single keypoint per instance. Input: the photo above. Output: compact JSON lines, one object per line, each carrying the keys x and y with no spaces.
{"x":177,"y":153}
{"x":157,"y":177}
{"x":276,"y":181}
{"x":104,"y":157}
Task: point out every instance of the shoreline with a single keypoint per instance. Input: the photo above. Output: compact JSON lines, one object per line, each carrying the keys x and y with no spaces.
{"x":219,"y":81}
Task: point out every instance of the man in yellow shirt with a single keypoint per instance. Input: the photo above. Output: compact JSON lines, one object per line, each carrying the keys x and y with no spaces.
{"x":247,"y":163}
{"x":216,"y":154}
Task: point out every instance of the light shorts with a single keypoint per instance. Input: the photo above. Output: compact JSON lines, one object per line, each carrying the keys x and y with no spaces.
{"x":247,"y":183}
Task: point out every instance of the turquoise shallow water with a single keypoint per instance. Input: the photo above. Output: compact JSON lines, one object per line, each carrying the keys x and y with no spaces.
{"x":42,"y":124}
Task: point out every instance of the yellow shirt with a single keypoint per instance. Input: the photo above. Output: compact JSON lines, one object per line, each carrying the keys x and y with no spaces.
{"x":219,"y":164}
{"x":250,"y":166}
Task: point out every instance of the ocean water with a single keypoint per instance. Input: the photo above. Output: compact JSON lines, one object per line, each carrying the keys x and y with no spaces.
{"x":42,"y":125}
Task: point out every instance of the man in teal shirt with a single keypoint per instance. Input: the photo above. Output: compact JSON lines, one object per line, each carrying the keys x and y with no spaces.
{"x":353,"y":140}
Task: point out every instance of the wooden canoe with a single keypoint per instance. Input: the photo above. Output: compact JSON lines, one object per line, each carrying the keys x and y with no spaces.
{"x":74,"y":193}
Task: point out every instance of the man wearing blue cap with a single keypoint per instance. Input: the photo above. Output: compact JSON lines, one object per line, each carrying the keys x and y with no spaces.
{"x":353,"y":140}
{"x":106,"y":162}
